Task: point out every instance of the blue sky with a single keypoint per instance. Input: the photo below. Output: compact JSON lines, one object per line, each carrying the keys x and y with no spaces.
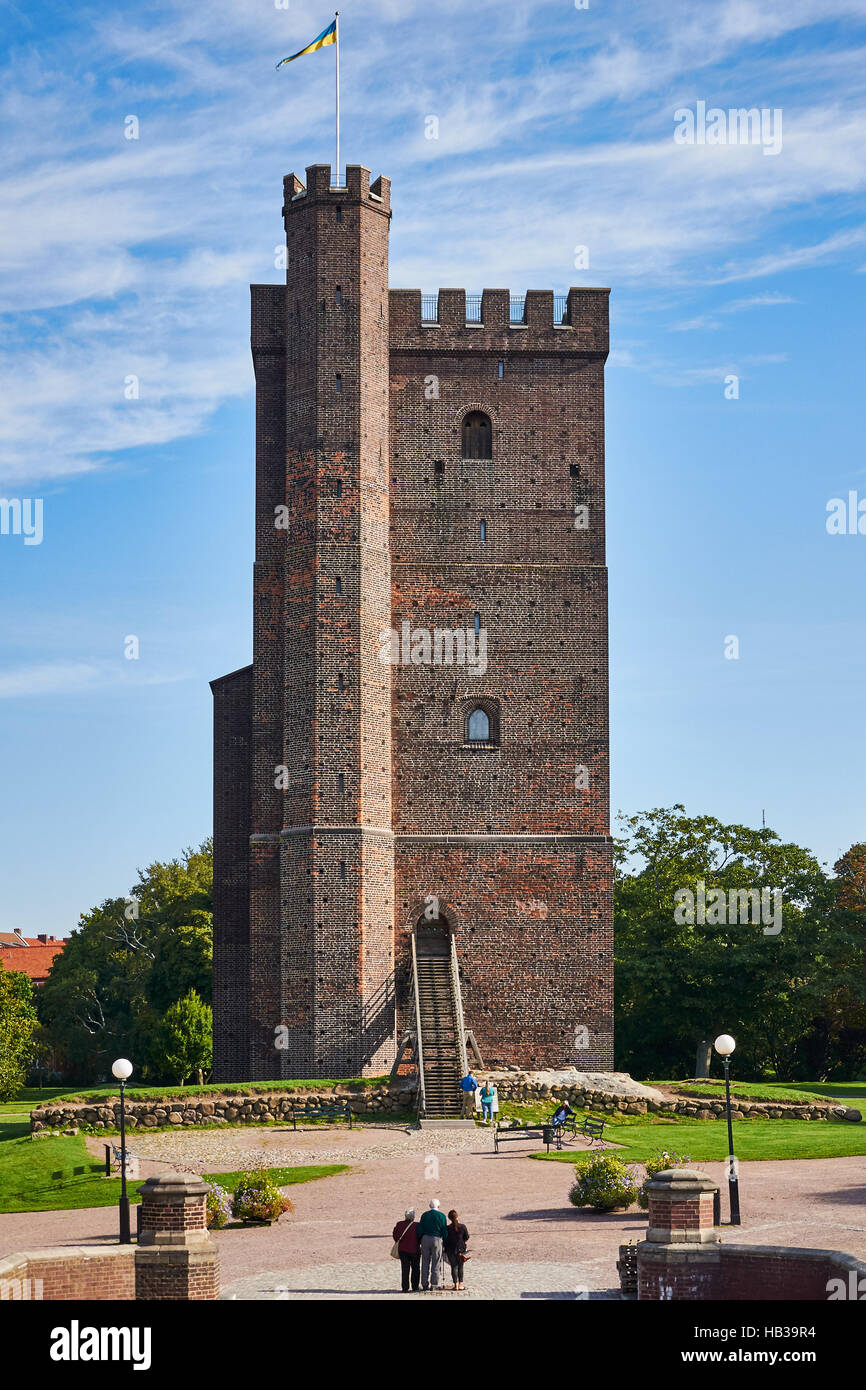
{"x":124,"y":258}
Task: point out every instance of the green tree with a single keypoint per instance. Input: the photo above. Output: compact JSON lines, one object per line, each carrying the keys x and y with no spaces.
{"x":127,"y":962}
{"x":187,"y":1038}
{"x":836,"y":1042}
{"x":18,"y":1023}
{"x":678,"y":982}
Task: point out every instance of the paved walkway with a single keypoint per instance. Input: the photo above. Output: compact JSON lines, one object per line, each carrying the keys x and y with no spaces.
{"x":375,"y":1281}
{"x":527,"y":1241}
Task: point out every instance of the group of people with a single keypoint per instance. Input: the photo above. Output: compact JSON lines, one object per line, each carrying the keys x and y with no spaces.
{"x":481,"y":1097}
{"x":424,"y":1245}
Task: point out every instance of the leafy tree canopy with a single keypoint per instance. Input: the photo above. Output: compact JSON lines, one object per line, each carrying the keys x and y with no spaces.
{"x":791,"y":991}
{"x":129,"y":960}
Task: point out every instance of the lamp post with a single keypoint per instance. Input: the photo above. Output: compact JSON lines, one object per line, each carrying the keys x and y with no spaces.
{"x":122,"y":1069}
{"x":725,"y":1045}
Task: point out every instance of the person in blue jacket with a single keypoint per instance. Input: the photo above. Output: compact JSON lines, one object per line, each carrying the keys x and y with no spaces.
{"x":469,"y":1086}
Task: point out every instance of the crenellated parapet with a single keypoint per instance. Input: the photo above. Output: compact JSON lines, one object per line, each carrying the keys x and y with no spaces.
{"x":319,"y":189}
{"x":538,"y":319}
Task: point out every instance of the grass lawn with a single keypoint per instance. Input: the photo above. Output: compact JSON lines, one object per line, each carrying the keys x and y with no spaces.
{"x":706,"y":1141}
{"x":283,"y":1177}
{"x":802,"y":1092}
{"x":60,"y":1175}
{"x":33,"y":1097}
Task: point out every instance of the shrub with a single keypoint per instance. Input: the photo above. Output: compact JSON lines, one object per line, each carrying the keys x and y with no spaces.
{"x":604,"y":1182}
{"x":662,"y":1159}
{"x":257,"y":1198}
{"x":219,"y":1206}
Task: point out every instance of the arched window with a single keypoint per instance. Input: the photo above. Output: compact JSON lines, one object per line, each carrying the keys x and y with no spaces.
{"x":477,"y":436}
{"x":478,"y":726}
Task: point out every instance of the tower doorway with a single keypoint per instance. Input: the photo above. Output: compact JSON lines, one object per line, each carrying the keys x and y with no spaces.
{"x":432,"y":938}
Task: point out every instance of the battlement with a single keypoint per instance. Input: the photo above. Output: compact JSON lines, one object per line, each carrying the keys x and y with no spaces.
{"x":318,"y":188}
{"x":574,"y":321}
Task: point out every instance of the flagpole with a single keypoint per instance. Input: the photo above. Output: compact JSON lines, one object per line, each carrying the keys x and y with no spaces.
{"x":337,"y":46}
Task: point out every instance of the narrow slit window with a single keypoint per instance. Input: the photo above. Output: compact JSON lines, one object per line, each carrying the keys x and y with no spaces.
{"x":340,"y":682}
{"x":339,"y":214}
{"x":339,"y":488}
{"x":341,"y":783}
{"x":501,"y":370}
{"x":343,"y":870}
{"x":477,"y":623}
{"x":339,"y":585}
{"x":339,"y":296}
{"x":339,"y":383}
{"x":482,"y":530}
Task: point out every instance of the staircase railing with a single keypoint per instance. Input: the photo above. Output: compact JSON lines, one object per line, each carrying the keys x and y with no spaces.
{"x":458,"y":1009}
{"x":419,"y":1045}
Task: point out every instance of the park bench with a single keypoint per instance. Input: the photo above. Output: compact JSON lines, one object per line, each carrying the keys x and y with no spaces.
{"x":321,"y":1112}
{"x":579,"y":1129}
{"x":113,"y":1159}
{"x":592,"y":1130}
{"x":504,"y":1134}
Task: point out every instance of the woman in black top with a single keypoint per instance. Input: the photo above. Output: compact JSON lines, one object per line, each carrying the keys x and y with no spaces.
{"x":456,"y":1237}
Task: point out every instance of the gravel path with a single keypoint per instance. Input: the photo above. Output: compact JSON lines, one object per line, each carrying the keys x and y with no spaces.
{"x":215,"y":1150}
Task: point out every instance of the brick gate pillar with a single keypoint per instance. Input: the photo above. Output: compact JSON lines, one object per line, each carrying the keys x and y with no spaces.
{"x":176,"y":1258}
{"x":680,"y":1257}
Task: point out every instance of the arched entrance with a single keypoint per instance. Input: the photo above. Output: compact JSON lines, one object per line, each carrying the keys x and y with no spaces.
{"x":432,"y":938}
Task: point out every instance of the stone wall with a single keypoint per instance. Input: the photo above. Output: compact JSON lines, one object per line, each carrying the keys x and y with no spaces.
{"x":266,"y":1107}
{"x":258,"y":1109}
{"x":524,"y":1089}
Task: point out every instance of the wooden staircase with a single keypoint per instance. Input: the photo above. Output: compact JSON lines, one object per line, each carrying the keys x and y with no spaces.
{"x":441,"y":1037}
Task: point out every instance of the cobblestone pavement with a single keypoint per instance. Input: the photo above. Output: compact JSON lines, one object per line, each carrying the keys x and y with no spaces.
{"x":382,"y":1280}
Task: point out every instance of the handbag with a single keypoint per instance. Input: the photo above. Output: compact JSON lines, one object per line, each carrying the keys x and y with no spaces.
{"x":395,"y":1248}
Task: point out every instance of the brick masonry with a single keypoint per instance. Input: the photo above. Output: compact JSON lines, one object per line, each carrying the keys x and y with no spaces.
{"x":682,"y":1257}
{"x":175,"y":1258}
{"x":320,"y":880}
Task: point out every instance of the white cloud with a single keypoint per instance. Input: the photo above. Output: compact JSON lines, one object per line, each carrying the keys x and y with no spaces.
{"x":72,"y":678}
{"x":132,"y":257}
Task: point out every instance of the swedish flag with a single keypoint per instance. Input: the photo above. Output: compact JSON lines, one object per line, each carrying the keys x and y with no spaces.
{"x":327,"y":36}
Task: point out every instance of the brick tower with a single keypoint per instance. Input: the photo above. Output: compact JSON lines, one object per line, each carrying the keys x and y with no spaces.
{"x":442,"y":474}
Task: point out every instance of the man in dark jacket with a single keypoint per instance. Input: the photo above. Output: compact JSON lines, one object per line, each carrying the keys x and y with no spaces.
{"x":431,"y":1229}
{"x":405,"y":1233}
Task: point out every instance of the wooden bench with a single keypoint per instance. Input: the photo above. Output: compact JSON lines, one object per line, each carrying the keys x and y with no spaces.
{"x":321,"y":1112}
{"x":505,"y":1134}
